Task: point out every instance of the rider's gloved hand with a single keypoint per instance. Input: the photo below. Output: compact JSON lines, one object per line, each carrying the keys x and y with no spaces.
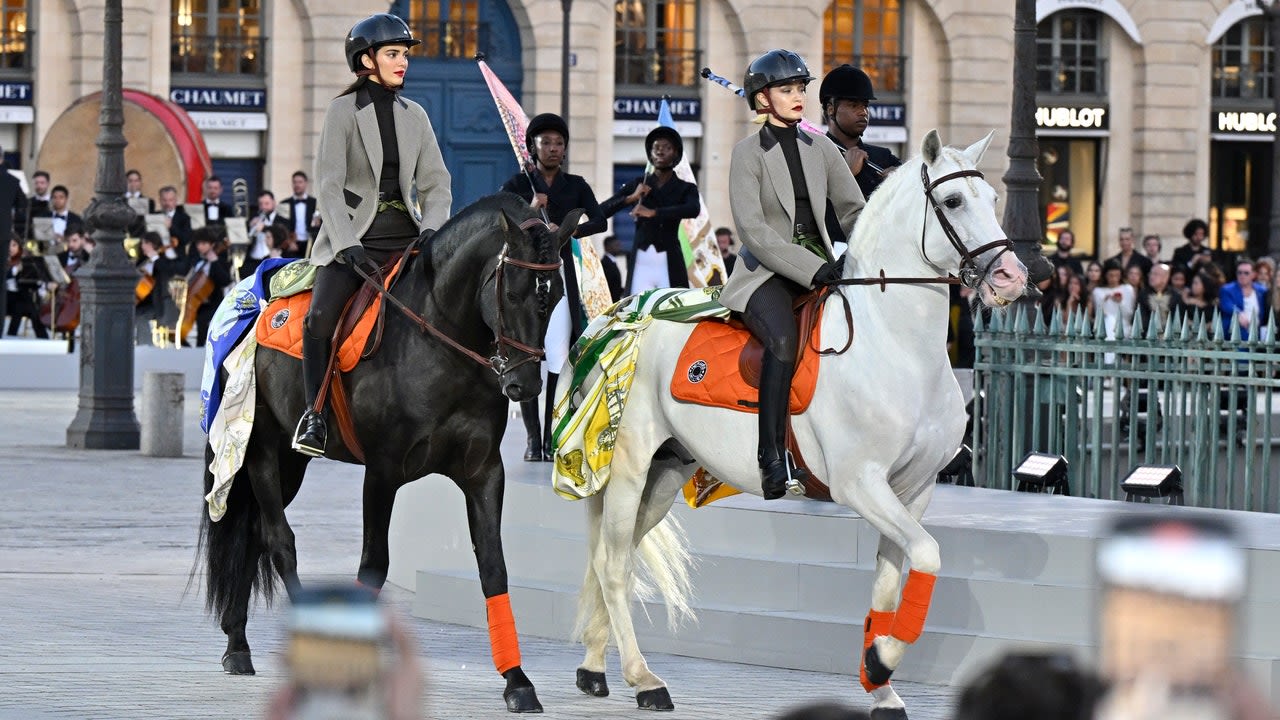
{"x":425,"y":236}
{"x":829,"y":273}
{"x":355,"y":256}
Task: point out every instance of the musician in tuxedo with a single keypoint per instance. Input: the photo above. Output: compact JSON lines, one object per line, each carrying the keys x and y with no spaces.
{"x":76,"y":253}
{"x":304,"y":220}
{"x":158,"y":263}
{"x":216,"y":212}
{"x":176,"y":220}
{"x":259,"y":241}
{"x":133,"y":190}
{"x":216,"y":269}
{"x":60,"y":211}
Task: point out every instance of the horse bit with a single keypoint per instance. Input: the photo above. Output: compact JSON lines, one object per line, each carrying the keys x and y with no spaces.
{"x":500,"y":361}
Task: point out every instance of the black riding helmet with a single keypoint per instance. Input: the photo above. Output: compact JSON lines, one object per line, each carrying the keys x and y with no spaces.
{"x":845,"y":83}
{"x":664,"y":132}
{"x":542,"y":123}
{"x":372,"y":33}
{"x":773,"y":68}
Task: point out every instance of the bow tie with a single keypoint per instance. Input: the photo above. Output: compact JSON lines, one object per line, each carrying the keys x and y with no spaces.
{"x":60,"y":217}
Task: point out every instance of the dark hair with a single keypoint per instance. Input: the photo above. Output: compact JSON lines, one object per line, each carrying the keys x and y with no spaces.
{"x":823,"y":711}
{"x":60,"y":188}
{"x":213,"y":178}
{"x":152,"y":238}
{"x":132,"y":171}
{"x":355,"y":85}
{"x":1211,"y":285}
{"x":40,"y":173}
{"x":168,"y":188}
{"x":75,"y":229}
{"x":1192,"y":225}
{"x":299,"y":173}
{"x":204,"y":234}
{"x":1112,"y":264}
{"x":723,"y":231}
{"x":1025,"y":686}
{"x":281,"y":239}
{"x":267,"y":193}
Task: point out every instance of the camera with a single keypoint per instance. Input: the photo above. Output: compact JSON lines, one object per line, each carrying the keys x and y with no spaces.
{"x":338,"y":654}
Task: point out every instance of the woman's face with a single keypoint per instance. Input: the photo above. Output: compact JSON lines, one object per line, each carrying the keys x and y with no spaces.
{"x":1075,"y":286}
{"x":393,"y":62}
{"x":1178,"y":281}
{"x":1113,"y":277}
{"x":1094,"y":273}
{"x":1134,"y":276}
{"x":14,"y":248}
{"x":1197,"y":287}
{"x":1064,"y":274}
{"x":786,"y":99}
{"x":1264,"y":274}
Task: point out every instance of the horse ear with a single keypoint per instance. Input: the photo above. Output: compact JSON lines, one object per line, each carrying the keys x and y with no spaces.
{"x":507,"y":222}
{"x":974,"y":152}
{"x":567,"y":226}
{"x":931,"y":147}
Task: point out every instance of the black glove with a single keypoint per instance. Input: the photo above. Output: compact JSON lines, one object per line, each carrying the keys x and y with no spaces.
{"x":829,"y":273}
{"x":425,"y":236}
{"x":355,"y":256}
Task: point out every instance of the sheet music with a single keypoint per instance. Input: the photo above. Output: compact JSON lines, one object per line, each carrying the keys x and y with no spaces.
{"x":142,"y":206}
{"x":196,"y":212}
{"x":237,"y":231}
{"x":156,"y":224}
{"x":42,"y":229}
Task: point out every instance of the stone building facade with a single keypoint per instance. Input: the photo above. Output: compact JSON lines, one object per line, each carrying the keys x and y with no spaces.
{"x":1151,"y":111}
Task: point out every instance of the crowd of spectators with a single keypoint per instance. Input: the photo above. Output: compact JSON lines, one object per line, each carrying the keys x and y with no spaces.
{"x":1194,"y":282}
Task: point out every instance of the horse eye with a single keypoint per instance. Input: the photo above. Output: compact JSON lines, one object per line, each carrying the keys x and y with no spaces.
{"x":513,"y":296}
{"x":953,"y":202}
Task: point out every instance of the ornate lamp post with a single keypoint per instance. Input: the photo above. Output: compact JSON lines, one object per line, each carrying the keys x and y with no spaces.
{"x":105,"y":419}
{"x":1022,"y":220}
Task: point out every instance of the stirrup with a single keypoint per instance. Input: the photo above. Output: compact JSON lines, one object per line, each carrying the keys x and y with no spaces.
{"x":305,"y":449}
{"x":794,"y":485}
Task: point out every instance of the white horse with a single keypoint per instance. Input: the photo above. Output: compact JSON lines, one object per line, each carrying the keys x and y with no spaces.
{"x":886,"y":417}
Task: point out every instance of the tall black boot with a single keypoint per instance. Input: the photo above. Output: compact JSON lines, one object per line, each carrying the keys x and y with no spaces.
{"x":312,"y":432}
{"x":529,"y":412}
{"x":775,"y":391}
{"x":548,"y":451}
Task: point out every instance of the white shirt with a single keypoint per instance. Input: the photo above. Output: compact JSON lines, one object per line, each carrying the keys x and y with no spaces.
{"x":300,"y":216}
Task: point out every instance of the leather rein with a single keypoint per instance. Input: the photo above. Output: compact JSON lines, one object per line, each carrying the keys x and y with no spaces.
{"x":970,"y":275}
{"x":500,"y":361}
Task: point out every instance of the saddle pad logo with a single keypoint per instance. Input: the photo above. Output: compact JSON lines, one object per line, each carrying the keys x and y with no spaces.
{"x":697,"y":371}
{"x":279,"y":319}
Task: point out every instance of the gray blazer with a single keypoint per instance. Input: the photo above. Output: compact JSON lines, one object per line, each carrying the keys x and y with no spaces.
{"x":349,"y":162}
{"x":764,"y":206}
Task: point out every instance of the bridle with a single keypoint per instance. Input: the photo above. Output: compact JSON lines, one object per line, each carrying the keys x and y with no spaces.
{"x":970,"y":275}
{"x":500,"y":361}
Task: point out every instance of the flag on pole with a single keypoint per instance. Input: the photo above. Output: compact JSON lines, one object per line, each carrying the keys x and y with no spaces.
{"x":701,"y":252}
{"x":593,"y":288}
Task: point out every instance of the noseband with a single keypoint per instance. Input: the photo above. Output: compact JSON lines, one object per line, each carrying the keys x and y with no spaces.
{"x":500,"y":361}
{"x":970,"y":275}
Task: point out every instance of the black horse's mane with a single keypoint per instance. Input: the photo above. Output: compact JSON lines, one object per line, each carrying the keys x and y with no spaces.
{"x":479,"y":217}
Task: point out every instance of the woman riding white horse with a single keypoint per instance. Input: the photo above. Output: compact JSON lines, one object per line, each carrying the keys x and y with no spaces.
{"x":886,"y":416}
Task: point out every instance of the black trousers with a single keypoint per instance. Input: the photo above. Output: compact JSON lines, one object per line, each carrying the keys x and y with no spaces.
{"x":335,"y":284}
{"x":21,"y":305}
{"x":769,"y":317}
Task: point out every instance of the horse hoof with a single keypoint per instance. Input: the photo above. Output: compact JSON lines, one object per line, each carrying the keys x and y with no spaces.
{"x":888,"y":714}
{"x":522,"y":700}
{"x":592,"y":683}
{"x":655,"y":699}
{"x":877,"y":673}
{"x":238,"y":663}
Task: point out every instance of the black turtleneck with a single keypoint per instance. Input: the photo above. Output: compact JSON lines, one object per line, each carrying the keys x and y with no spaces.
{"x":787,"y":138}
{"x":389,"y":178}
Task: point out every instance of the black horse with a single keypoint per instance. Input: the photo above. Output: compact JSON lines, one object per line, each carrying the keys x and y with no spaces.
{"x":424,"y":403}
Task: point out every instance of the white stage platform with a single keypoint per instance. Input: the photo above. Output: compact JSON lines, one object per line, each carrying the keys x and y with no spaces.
{"x":28,"y":364}
{"x":787,"y":584}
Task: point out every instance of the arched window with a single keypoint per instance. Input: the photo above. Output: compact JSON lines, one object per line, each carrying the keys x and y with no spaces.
{"x":1242,"y":61}
{"x":1071,"y":54}
{"x":656,"y":42}
{"x":449,"y":29}
{"x":867,"y":34}
{"x":15,"y":45}
{"x":217,"y":37}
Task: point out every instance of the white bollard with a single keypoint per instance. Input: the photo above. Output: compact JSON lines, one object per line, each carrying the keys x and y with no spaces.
{"x":162,"y":418}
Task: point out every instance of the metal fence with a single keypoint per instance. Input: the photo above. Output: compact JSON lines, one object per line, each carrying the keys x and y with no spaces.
{"x":1187,"y":392}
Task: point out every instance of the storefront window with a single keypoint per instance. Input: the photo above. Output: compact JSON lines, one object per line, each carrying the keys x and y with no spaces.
{"x":15,"y":39}
{"x":656,"y":42}
{"x":222,"y":37}
{"x":449,"y":29}
{"x":1242,"y":61}
{"x":1071,"y":55}
{"x":1069,"y":191}
{"x":866,"y":34}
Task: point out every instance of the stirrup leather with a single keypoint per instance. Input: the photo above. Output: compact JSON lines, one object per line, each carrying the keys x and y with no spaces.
{"x":309,"y":449}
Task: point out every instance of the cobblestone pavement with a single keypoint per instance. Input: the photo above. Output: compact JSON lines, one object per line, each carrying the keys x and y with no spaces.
{"x":99,"y":621}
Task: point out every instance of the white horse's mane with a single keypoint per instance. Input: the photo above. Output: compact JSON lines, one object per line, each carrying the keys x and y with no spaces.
{"x":881,"y":211}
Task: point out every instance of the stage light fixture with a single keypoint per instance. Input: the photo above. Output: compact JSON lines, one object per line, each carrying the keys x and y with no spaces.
{"x":1041,"y":472}
{"x":1153,"y":481}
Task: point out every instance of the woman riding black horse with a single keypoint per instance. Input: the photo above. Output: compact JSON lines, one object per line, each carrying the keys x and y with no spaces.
{"x":368,"y":218}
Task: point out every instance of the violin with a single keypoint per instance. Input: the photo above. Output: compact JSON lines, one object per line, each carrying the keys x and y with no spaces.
{"x":199,"y":288}
{"x":143,"y":289}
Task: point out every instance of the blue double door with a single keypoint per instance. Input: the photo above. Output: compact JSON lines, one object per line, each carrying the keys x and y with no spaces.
{"x":445,"y":79}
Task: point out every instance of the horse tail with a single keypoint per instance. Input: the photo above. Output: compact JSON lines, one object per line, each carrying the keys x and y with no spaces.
{"x":236,"y":565}
{"x":665,"y":563}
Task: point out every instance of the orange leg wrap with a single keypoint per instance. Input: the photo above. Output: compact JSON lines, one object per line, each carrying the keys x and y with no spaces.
{"x":502,"y":633}
{"x":909,"y":622}
{"x":878,"y":623}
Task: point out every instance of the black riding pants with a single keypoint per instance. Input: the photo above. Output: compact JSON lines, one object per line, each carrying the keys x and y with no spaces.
{"x":334,"y":286}
{"x":770,"y":318}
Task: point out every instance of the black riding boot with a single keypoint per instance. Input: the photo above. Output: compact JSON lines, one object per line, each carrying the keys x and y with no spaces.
{"x":775,"y":391}
{"x":548,"y":451}
{"x":312,"y":433}
{"x":529,"y":412}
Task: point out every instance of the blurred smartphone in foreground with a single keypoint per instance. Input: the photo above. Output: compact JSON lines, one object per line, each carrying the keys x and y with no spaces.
{"x":1171,"y":587}
{"x":337,"y":656}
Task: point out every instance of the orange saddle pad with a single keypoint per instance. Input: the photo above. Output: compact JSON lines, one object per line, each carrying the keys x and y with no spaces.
{"x":710,"y":370}
{"x":280,"y":325}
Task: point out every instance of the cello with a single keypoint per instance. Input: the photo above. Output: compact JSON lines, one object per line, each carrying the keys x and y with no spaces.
{"x":199,"y":288}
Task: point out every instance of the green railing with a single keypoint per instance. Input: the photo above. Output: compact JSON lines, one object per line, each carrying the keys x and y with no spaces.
{"x":1183,"y":393}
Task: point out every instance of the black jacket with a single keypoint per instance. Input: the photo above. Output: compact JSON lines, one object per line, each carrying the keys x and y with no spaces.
{"x":868,"y":180}
{"x":672,"y":201}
